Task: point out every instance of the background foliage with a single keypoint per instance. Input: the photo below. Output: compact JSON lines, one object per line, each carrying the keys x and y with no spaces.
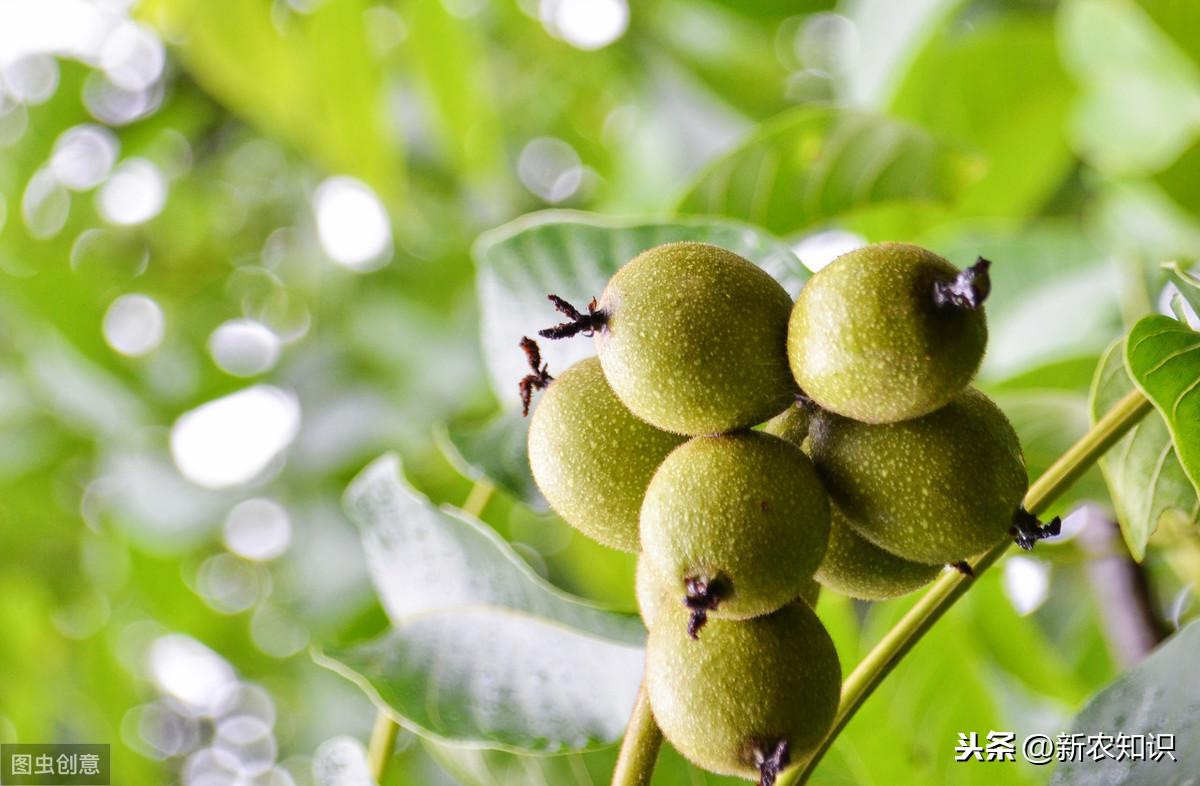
{"x":278,"y":199}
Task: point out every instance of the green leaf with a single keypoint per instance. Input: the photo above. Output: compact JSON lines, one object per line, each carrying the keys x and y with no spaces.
{"x":955,"y":87}
{"x":572,"y":255}
{"x":310,"y":80}
{"x":1163,"y":356}
{"x":1158,"y":696}
{"x":814,"y":164}
{"x":1187,"y":283}
{"x":480,"y":650}
{"x":1144,"y":476}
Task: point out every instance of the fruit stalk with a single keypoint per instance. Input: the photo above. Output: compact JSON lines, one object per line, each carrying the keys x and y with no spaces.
{"x":896,"y":643}
{"x":639,"y":747}
{"x":383,"y":734}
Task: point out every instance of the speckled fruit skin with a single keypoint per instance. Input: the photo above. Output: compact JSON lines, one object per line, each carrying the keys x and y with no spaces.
{"x":791,"y":424}
{"x":856,"y":567}
{"x":592,"y":458}
{"x":653,"y":592}
{"x":746,"y":508}
{"x":867,"y":341}
{"x":937,"y":489}
{"x":742,"y":683}
{"x":696,"y":339}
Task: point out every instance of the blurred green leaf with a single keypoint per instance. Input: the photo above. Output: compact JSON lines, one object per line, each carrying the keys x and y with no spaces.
{"x":1179,"y":20}
{"x":1048,"y":422}
{"x":1053,"y":295}
{"x":890,"y":35}
{"x":1137,"y":111}
{"x":955,"y":87}
{"x":1181,"y":182}
{"x":573,"y":255}
{"x":481,"y":650}
{"x":448,"y":57}
{"x":495,"y":449}
{"x":308,"y":79}
{"x":1163,"y":356}
{"x":1144,"y":476}
{"x":1158,"y":696}
{"x":810,"y":165}
{"x":944,"y":687}
{"x":723,"y":47}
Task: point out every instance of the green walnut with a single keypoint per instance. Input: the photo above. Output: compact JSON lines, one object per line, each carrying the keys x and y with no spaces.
{"x":747,"y":697}
{"x":653,"y":592}
{"x":937,"y":489}
{"x":736,"y":523}
{"x":591,"y":458}
{"x":856,"y":567}
{"x":692,"y":337}
{"x":888,"y":332}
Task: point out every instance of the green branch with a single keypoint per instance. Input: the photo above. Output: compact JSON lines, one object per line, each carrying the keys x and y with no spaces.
{"x":635,"y":766}
{"x":383,"y":735}
{"x":639,"y":747}
{"x":896,"y":643}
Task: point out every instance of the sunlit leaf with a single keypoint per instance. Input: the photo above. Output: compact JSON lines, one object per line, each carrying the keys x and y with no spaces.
{"x":1163,"y":356}
{"x":1159,"y":696}
{"x":481,"y":650}
{"x":1144,"y":476}
{"x":813,"y":164}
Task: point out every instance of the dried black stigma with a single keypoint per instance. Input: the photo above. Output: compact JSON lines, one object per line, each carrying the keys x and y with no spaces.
{"x":702,"y":595}
{"x":963,"y":567}
{"x":540,"y":377}
{"x":587,"y":324}
{"x":967,"y":290}
{"x":1027,"y":530}
{"x":771,"y":762}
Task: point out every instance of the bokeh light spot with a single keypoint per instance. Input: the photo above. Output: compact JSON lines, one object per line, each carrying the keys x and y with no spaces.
{"x":585,"y":24}
{"x":134,"y":194}
{"x":134,"y":325}
{"x":83,"y":156}
{"x":258,"y":529}
{"x":550,"y":168}
{"x":352,"y":224}
{"x":243,"y":347}
{"x":231,"y":440}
